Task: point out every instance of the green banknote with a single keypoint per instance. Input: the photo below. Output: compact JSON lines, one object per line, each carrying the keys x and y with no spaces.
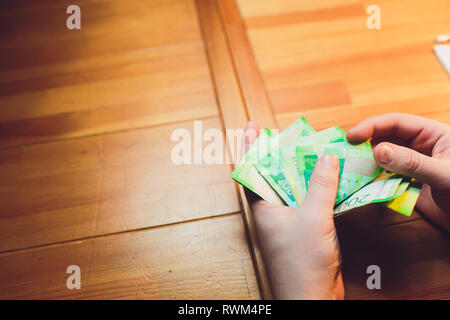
{"x":310,"y":161}
{"x":402,"y":188}
{"x":298,"y":130}
{"x":246,"y":174}
{"x":288,"y":157}
{"x":359,"y":167}
{"x":379,"y":190}
{"x":279,"y":167}
{"x":405,"y":202}
{"x":269,"y":165}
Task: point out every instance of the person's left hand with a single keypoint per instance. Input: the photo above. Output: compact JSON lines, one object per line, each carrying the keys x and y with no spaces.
{"x":299,"y":245}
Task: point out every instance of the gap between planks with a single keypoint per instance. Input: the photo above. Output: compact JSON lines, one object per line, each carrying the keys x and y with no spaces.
{"x":111,"y":234}
{"x":240,"y":94}
{"x":98,"y":134}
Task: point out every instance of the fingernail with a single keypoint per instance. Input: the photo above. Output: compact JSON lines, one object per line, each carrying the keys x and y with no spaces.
{"x":329,"y":161}
{"x":385,"y":154}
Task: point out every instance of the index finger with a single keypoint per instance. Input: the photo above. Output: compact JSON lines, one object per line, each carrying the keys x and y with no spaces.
{"x":398,"y":125}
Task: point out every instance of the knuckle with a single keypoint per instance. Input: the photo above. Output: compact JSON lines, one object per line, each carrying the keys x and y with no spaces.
{"x":411,"y":163}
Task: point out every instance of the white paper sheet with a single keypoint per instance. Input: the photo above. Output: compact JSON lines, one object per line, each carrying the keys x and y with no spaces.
{"x":443,"y":54}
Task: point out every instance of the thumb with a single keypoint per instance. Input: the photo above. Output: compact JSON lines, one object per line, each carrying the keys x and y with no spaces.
{"x":413,"y":164}
{"x":323,"y":184}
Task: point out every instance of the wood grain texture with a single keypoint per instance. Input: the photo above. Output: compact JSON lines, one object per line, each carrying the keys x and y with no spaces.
{"x":107,"y":27}
{"x":110,"y":183}
{"x":111,"y":203}
{"x":226,"y":83}
{"x":234,"y":115}
{"x":250,"y":80}
{"x":205,"y":259}
{"x":315,"y":14}
{"x":413,"y":257}
{"x":319,"y":60}
{"x":251,"y":9}
{"x":131,"y":65}
{"x":86,"y":169}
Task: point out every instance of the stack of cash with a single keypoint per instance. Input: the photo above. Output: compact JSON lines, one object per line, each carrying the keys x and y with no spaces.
{"x":278,"y":167}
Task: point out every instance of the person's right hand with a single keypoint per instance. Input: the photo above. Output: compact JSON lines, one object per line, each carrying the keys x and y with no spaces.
{"x":416,"y":147}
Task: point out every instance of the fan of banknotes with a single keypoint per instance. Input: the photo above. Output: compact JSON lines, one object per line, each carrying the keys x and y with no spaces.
{"x":278,"y":168}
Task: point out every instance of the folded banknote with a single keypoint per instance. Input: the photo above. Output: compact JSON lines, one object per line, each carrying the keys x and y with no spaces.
{"x":278,"y":168}
{"x":269,"y":165}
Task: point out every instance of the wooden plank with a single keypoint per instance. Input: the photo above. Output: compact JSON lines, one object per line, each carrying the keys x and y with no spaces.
{"x":262,"y":8}
{"x":100,"y":79}
{"x":154,"y":89}
{"x":371,"y":217}
{"x":251,"y":82}
{"x":234,"y":113}
{"x":205,"y":259}
{"x":334,"y":71}
{"x":310,"y":97}
{"x":228,"y":92}
{"x":95,"y":201}
{"x":104,"y":184}
{"x":107,"y":27}
{"x":347,"y":116}
{"x":316,"y":14}
{"x":413,"y":258}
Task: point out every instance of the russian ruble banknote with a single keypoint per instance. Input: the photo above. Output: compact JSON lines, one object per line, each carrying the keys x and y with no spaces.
{"x":246,"y":174}
{"x":269,"y":165}
{"x":288,"y":157}
{"x":278,"y":168}
{"x":380,"y":190}
{"x":398,"y":193}
{"x":405,"y":202}
{"x":358,"y":167}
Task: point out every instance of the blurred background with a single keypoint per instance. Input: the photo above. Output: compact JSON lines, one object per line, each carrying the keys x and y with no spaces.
{"x":87,"y":115}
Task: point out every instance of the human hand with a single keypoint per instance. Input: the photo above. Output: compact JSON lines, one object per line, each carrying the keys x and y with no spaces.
{"x":416,"y":147}
{"x":299,"y":245}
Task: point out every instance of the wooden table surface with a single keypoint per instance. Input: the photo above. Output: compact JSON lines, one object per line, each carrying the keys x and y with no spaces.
{"x":319,"y":60}
{"x":86,"y":120}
